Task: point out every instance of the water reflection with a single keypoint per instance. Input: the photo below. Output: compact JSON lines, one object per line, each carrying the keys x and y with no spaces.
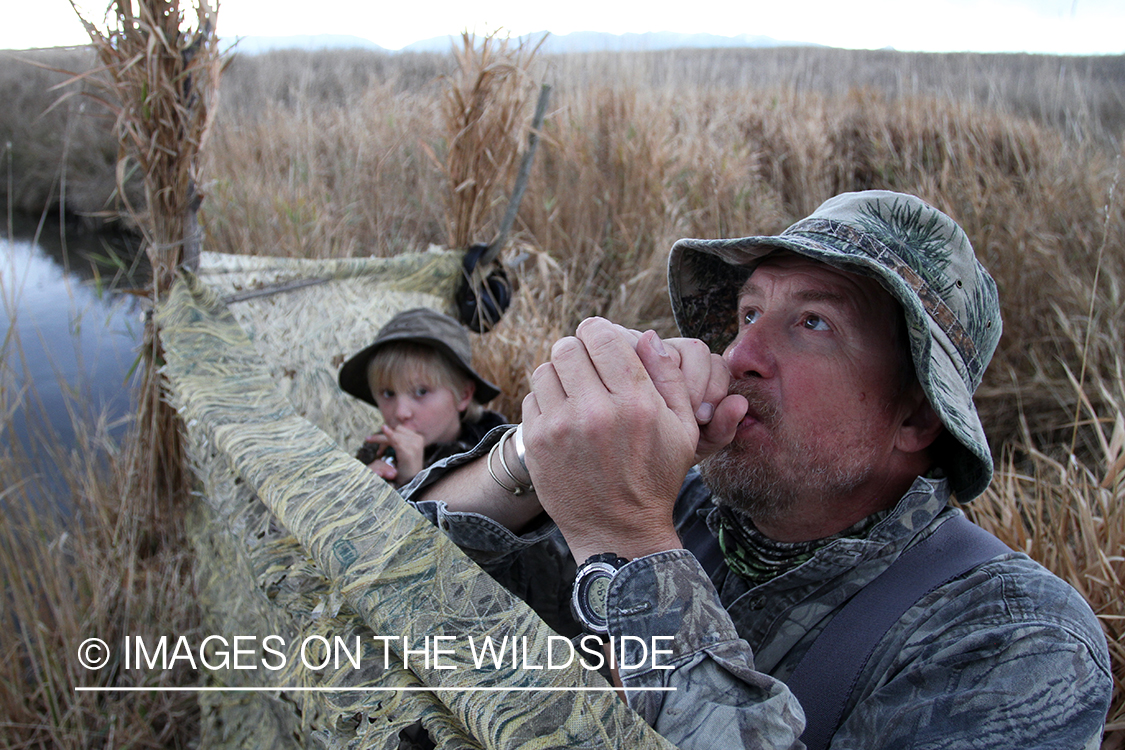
{"x":68,"y":339}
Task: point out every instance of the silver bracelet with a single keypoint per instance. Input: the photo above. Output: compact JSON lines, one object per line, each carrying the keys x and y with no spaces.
{"x":519,"y":487}
{"x":514,"y":490}
{"x":521,"y":451}
{"x":504,"y":463}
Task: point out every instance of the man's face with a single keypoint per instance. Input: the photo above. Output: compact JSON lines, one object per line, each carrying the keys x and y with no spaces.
{"x":817,"y":359}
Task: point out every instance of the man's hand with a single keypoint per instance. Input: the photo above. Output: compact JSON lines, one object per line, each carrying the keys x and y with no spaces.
{"x":707,"y":379}
{"x":611,"y":430}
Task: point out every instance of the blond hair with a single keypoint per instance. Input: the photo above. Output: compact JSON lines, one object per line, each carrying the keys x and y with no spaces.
{"x":401,"y":364}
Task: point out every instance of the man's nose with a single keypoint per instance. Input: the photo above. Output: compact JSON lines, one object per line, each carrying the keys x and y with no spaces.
{"x":751,"y":355}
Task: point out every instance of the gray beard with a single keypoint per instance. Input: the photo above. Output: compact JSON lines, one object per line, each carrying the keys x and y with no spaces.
{"x":747,"y":486}
{"x":768,"y":493}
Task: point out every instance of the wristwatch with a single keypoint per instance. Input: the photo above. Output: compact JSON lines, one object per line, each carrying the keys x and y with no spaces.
{"x":589,"y":598}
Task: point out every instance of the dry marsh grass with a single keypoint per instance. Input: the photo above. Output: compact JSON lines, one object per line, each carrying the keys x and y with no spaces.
{"x":49,"y":142}
{"x":99,"y":573}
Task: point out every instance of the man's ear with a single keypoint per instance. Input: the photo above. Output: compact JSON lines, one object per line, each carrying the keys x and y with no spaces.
{"x":921,"y":426}
{"x":466,"y":395}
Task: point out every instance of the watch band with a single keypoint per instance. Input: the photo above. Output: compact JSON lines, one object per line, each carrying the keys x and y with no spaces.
{"x":589,"y":596}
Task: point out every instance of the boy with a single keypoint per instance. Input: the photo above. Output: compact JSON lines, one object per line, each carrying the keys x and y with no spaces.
{"x":418,"y":373}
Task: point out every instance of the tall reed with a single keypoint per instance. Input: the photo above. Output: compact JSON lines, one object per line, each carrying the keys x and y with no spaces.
{"x":161,"y":79}
{"x":483,"y":111}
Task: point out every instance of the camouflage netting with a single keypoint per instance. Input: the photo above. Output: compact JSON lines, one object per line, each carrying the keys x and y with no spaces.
{"x":297,"y":539}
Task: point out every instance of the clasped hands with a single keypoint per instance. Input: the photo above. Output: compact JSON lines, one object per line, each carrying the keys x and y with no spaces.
{"x":613,"y":424}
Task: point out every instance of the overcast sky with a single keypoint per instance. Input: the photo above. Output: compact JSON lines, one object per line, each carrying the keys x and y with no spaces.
{"x":1052,"y":26}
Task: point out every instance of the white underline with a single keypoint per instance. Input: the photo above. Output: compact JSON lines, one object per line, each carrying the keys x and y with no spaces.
{"x":366,"y":689}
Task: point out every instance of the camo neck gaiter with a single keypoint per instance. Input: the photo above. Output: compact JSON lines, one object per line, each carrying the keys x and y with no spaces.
{"x":758,"y":559}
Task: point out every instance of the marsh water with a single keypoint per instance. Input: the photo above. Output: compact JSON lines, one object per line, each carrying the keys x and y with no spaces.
{"x":68,"y":334}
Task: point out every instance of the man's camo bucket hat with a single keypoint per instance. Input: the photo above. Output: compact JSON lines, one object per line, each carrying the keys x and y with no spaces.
{"x":920,"y":255}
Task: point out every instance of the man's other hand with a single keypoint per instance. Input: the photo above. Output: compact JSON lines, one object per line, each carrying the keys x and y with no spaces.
{"x":611,"y":430}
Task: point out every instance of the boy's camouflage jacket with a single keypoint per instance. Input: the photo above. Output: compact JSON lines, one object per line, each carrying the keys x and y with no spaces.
{"x":1007,"y":656}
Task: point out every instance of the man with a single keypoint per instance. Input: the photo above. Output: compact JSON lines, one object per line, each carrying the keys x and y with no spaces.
{"x":830,"y":437}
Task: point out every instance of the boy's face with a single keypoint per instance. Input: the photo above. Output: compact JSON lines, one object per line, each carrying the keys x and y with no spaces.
{"x":434,"y":412}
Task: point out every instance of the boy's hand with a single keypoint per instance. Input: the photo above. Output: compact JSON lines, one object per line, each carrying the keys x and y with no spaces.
{"x":384,"y":470}
{"x":409,"y":450}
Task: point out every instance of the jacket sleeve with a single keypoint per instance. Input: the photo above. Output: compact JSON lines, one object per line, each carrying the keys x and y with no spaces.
{"x":673,"y":634}
{"x":535,"y":566}
{"x":488,"y":543}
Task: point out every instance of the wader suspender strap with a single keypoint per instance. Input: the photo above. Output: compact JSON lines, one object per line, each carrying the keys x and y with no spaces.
{"x":826,"y":675}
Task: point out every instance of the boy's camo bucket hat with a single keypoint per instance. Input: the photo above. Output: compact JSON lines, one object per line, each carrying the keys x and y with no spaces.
{"x":423,"y":326}
{"x":920,"y":255}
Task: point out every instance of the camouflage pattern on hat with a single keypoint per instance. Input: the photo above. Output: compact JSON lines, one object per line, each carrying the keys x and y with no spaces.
{"x":919,"y":254}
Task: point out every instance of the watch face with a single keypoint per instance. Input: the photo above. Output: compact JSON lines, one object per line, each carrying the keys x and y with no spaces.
{"x":589,"y":599}
{"x":597,"y":594}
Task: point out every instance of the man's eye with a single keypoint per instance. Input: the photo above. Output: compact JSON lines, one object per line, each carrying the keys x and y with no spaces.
{"x":815,"y":323}
{"x":750,"y":316}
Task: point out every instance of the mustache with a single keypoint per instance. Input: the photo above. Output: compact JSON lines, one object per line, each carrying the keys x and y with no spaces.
{"x":762,"y":406}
